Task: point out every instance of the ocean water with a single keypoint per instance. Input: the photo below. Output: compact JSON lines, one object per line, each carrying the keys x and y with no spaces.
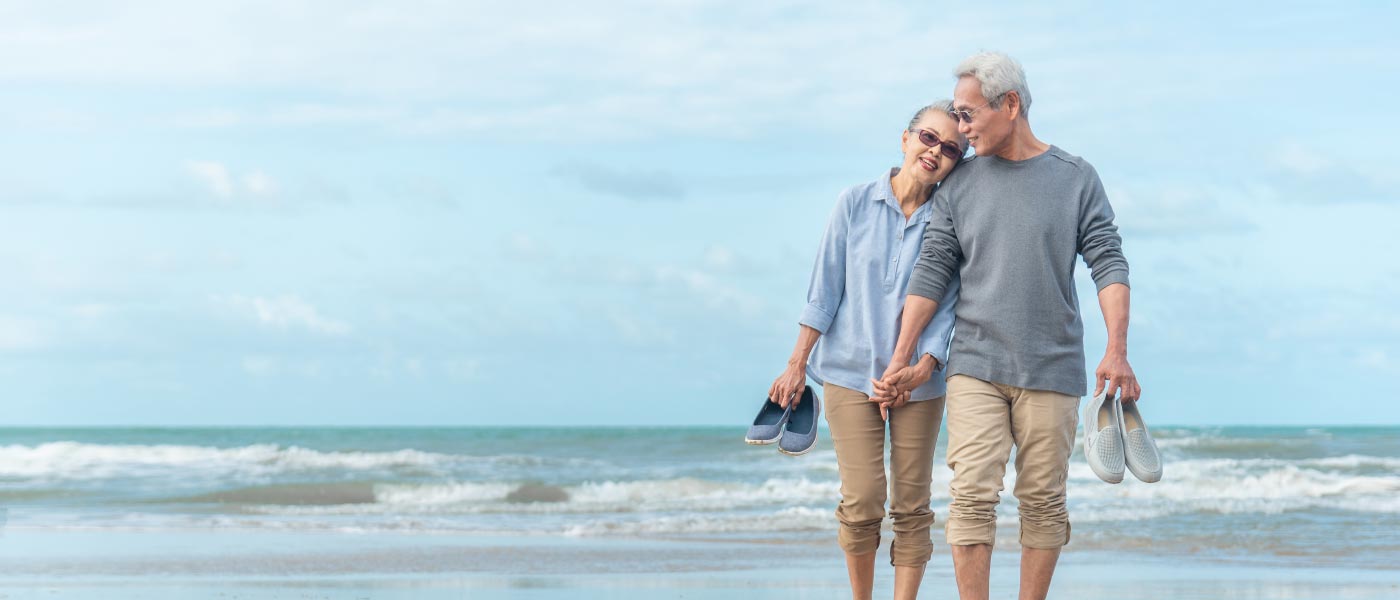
{"x":1316,"y":496}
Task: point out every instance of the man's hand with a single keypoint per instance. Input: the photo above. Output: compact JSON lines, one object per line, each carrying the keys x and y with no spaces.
{"x":788,"y":386}
{"x":1116,"y":371}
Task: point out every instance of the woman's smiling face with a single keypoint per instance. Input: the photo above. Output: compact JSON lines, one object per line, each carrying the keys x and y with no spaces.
{"x":929,"y":164}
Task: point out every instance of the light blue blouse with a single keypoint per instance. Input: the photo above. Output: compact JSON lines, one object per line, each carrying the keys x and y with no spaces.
{"x":858,"y":287}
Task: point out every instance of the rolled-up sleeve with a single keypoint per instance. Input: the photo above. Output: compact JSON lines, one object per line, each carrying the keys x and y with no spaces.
{"x":940,"y":253}
{"x":828,"y":284}
{"x":1099,"y":242}
{"x":934,"y":339}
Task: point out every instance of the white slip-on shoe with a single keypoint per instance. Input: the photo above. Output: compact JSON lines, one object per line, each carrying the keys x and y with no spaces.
{"x":1103,"y":440}
{"x":1140,"y":449}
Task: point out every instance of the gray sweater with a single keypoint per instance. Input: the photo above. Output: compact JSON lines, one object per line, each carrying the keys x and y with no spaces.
{"x":1012,"y":229}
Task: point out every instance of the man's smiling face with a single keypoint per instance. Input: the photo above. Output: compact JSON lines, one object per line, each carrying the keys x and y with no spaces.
{"x":990,"y":128}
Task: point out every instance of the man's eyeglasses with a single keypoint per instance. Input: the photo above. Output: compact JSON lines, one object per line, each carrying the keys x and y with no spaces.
{"x":966,"y":115}
{"x":949,"y":149}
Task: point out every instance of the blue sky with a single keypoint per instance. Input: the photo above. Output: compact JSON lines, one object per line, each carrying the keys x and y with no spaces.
{"x":466,"y":213}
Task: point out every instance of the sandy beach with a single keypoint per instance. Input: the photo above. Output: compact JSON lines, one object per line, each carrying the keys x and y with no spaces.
{"x":266,"y":565}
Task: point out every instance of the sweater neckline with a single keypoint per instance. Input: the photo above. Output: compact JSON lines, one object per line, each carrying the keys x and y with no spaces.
{"x":1021,"y":163}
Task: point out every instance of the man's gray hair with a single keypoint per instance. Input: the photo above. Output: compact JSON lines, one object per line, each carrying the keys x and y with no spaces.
{"x":944,"y":106}
{"x":998,"y":74}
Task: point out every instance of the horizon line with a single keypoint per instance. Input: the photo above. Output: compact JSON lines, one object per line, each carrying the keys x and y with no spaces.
{"x":571,"y":426}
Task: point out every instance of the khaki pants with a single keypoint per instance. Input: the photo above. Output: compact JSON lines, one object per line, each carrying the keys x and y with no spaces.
{"x":858,"y":433}
{"x":984,"y":421}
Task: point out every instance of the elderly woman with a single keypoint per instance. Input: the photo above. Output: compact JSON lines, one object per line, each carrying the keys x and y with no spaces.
{"x":848,"y":331}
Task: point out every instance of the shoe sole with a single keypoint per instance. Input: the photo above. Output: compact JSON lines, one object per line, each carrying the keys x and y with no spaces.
{"x":791,"y":453}
{"x":752,"y":442}
{"x":1153,"y":477}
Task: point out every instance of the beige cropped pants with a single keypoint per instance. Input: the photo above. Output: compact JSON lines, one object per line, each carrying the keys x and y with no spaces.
{"x":984,"y":421}
{"x":858,"y":434}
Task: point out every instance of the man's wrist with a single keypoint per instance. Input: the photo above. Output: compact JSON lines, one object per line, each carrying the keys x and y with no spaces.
{"x":928,"y":363}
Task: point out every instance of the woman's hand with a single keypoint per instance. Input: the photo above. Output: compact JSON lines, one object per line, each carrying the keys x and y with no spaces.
{"x":788,"y":386}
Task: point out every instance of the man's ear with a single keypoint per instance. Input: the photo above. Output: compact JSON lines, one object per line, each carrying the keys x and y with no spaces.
{"x":1012,"y":101}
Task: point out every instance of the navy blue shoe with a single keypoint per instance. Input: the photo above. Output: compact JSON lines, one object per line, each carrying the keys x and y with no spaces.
{"x":768,"y":425}
{"x":800,"y":435}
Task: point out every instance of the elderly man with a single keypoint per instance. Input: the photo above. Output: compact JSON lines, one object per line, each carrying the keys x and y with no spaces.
{"x":1010,"y":221}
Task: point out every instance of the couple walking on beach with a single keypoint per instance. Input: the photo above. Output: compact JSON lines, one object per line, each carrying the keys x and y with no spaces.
{"x":986,"y":245}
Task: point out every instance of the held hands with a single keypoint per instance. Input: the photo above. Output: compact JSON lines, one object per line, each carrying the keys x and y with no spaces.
{"x":893,"y":389}
{"x":1119,"y":374}
{"x":788,"y":386}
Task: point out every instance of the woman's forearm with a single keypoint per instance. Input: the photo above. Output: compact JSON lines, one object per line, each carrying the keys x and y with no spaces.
{"x":806,"y":340}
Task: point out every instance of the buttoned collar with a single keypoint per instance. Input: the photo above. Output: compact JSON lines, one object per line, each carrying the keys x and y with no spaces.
{"x":884,"y":192}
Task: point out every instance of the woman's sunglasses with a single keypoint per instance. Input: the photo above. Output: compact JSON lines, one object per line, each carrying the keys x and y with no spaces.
{"x":949,"y":149}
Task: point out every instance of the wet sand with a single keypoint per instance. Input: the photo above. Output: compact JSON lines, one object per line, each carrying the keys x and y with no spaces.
{"x":113,"y":564}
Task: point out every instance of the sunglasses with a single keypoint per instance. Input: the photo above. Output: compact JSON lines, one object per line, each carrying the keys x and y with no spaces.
{"x":949,"y":149}
{"x":966,"y":115}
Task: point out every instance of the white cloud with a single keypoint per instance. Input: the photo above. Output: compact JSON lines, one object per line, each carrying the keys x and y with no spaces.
{"x":633,"y":184}
{"x":719,"y":258}
{"x":1324,"y":170}
{"x":1300,"y":159}
{"x":213,"y":118}
{"x":464,"y":368}
{"x":1180,"y":208}
{"x":391,"y":364}
{"x":638,"y":330}
{"x":19,"y":333}
{"x":93,"y":310}
{"x":1378,"y":359}
{"x":283,"y":312}
{"x":637,"y":68}
{"x":1332,"y":317}
{"x":214,"y":175}
{"x":722,"y":281}
{"x":260,"y":366}
{"x":632,"y":68}
{"x":522,"y":246}
{"x":258,"y":183}
{"x":716,"y":293}
{"x":292,"y":115}
{"x":223,"y":184}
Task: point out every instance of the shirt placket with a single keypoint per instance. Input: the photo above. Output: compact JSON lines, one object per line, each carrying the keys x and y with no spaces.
{"x":897,"y":248}
{"x":894,"y":249}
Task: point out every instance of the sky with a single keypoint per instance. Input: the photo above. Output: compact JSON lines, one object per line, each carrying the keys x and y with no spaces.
{"x":469,"y":213}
